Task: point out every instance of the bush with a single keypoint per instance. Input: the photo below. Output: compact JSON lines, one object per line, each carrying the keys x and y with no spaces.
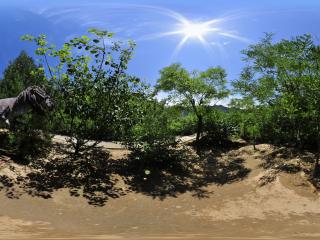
{"x":220,"y":127}
{"x":28,"y":138}
{"x":184,"y":125}
{"x":153,"y":129}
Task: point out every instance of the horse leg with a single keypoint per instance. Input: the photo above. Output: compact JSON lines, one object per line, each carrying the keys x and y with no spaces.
{"x":5,"y":121}
{"x":4,"y":117}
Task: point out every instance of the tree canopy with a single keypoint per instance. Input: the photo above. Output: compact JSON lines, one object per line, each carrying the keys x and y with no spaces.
{"x":195,"y":89}
{"x":284,"y":77}
{"x":19,"y":74}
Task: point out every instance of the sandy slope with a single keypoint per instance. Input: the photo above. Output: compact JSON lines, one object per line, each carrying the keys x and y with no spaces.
{"x":287,"y":208}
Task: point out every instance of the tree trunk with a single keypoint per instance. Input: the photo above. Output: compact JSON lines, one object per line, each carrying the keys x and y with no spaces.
{"x":199,"y":128}
{"x":298,"y":138}
{"x":199,"y":125}
{"x":77,"y":148}
{"x":199,"y":132}
{"x":316,"y":163}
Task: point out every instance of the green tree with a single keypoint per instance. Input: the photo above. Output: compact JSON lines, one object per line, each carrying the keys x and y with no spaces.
{"x":21,"y":73}
{"x":285,"y":76}
{"x":193,"y":89}
{"x":221,"y":126}
{"x":153,"y":129}
{"x":93,"y":94}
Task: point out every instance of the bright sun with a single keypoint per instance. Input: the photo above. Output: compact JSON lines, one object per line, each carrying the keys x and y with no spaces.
{"x":197,"y":30}
{"x":206,"y":32}
{"x":200,"y":31}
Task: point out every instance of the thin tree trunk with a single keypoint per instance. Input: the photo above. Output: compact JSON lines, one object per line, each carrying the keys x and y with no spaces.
{"x":298,"y":138}
{"x":199,"y":132}
{"x":77,"y":148}
{"x":316,"y":163}
{"x":199,"y":128}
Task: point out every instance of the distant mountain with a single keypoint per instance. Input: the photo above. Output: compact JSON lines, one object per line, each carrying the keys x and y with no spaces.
{"x":220,"y":107}
{"x":185,"y":111}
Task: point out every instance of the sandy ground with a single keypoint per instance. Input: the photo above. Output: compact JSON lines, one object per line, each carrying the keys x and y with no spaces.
{"x":287,"y":208}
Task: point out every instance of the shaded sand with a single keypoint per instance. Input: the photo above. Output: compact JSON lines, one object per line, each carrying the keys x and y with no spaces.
{"x":107,"y":145}
{"x":286,"y":208}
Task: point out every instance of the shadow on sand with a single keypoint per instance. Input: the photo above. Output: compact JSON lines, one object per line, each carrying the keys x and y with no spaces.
{"x":284,"y":159}
{"x":169,"y":172}
{"x":160,"y":173}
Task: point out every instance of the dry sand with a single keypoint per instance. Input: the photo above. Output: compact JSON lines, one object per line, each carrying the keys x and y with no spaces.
{"x":287,"y":208}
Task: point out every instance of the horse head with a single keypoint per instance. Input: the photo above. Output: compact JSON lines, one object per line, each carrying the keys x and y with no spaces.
{"x":39,"y":99}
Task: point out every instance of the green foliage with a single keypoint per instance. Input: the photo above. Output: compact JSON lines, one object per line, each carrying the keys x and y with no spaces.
{"x":30,"y":137}
{"x":284,"y":77}
{"x":283,"y":80}
{"x":21,"y":73}
{"x":27,"y":140}
{"x":153,"y":129}
{"x":195,"y":90}
{"x":183,"y":124}
{"x":95,"y":98}
{"x":220,"y":127}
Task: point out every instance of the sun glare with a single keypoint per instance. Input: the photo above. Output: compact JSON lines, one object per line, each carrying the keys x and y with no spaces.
{"x":198,"y":30}
{"x":209,"y":33}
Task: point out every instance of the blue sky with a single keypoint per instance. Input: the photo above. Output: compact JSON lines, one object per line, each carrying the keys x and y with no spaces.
{"x":239,"y":23}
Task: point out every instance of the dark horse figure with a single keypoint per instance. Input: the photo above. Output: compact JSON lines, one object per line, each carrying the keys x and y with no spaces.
{"x":33,"y":98}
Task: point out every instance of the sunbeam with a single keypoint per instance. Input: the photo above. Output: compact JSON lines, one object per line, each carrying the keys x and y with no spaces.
{"x":197,"y":30}
{"x":201,"y":31}
{"x":179,"y":46}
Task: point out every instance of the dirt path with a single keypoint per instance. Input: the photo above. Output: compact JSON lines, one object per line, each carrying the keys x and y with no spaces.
{"x":117,"y":145}
{"x":107,"y":145}
{"x":287,"y":208}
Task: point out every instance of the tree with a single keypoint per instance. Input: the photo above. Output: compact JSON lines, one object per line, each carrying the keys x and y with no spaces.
{"x":93,"y":94}
{"x":285,"y":76}
{"x":220,"y":126}
{"x":21,"y":73}
{"x":193,"y":89}
{"x":153,"y":128}
{"x":251,"y":118}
